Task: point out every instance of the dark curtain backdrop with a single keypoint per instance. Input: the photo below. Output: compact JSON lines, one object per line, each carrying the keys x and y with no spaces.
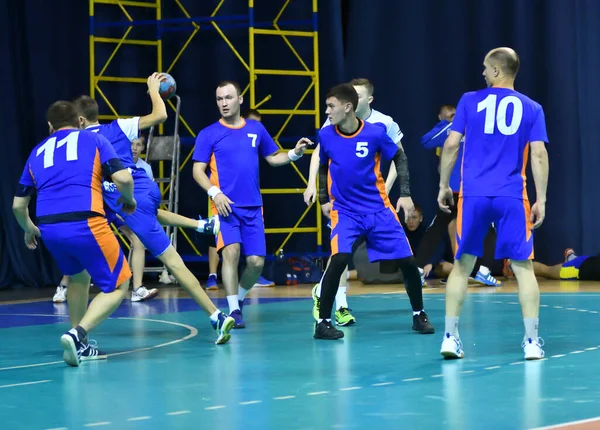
{"x":418,"y":54}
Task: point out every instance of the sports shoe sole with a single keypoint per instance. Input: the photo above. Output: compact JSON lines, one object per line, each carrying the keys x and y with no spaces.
{"x":70,"y":351}
{"x":451,"y":355}
{"x":227,"y":326}
{"x":151,"y":294}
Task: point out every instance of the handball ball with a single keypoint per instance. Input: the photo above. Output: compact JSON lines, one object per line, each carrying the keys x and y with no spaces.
{"x":168,"y":86}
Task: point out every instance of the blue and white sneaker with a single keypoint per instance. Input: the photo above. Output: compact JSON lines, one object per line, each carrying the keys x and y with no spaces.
{"x":211,"y":283}
{"x":75,"y":351}
{"x":484,"y":277}
{"x":263,"y":282}
{"x":238,"y":319}
{"x":533,"y":348}
{"x":223,"y":326}
{"x":452,"y":347}
{"x":422,"y":273}
{"x":210,"y":225}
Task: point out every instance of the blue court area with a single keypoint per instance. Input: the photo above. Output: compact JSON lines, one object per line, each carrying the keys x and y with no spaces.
{"x":164,"y":371}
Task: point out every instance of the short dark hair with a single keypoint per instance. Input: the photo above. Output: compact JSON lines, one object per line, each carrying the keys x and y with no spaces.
{"x":448,"y":107}
{"x":62,"y":114}
{"x":253,"y":112}
{"x":418,"y":208}
{"x":344,"y":93}
{"x":87,"y":108}
{"x":363,"y":82}
{"x":235,"y":85}
{"x":507,"y":59}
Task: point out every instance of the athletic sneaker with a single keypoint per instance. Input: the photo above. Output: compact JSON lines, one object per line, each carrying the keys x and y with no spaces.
{"x":421,"y":324}
{"x":211,"y":283}
{"x":238,"y":319}
{"x":570,"y":254}
{"x":212,"y":226}
{"x":75,"y":351}
{"x":263,"y":282}
{"x":142,"y":293}
{"x":60,"y":296}
{"x":422,"y":273}
{"x":343,"y":317}
{"x":324,"y":330}
{"x":316,"y":303}
{"x":223,"y":326}
{"x":533,"y":348}
{"x":485,"y":277}
{"x":452,"y":347}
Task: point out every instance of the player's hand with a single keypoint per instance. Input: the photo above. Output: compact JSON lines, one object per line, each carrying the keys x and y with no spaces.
{"x":326,"y":209}
{"x":310,"y":195}
{"x":154,"y":82}
{"x":223,"y":204}
{"x":302,"y":144}
{"x":127,"y":206}
{"x":445,"y":199}
{"x":31,"y":236}
{"x":427,"y":269}
{"x":407,"y":205}
{"x":538,"y":213}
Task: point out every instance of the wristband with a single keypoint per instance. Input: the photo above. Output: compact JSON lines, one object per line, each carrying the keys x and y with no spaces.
{"x":213,"y":191}
{"x":293,"y":155}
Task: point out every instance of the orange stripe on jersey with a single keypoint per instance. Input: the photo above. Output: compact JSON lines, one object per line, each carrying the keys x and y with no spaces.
{"x":459,"y":218}
{"x":380,"y":183}
{"x":524,"y":171}
{"x":462,"y":164}
{"x":335,"y":218}
{"x":233,"y":127}
{"x":214,"y":179}
{"x":329,"y":183}
{"x":32,"y":177}
{"x":96,"y":186}
{"x":528,"y":224}
{"x":109,"y":246}
{"x":345,"y":136}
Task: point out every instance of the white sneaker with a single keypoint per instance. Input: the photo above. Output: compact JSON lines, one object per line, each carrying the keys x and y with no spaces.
{"x":61,"y":294}
{"x":422,"y":273}
{"x":452,"y":347}
{"x":143,"y":293}
{"x":533,"y":348}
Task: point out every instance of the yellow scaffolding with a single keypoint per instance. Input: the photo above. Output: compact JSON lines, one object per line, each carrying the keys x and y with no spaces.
{"x":127,"y":7}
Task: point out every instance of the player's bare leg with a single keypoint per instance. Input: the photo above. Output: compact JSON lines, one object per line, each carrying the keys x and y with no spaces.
{"x":229,"y":272}
{"x":174,"y":263}
{"x":529,"y":297}
{"x":75,"y":342}
{"x":206,"y":226}
{"x":456,"y":291}
{"x":137,"y":263}
{"x":549,"y":272}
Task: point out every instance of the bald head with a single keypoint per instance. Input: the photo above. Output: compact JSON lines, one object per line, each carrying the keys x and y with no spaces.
{"x":506,"y":59}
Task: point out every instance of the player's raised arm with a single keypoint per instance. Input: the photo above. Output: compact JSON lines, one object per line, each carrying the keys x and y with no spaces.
{"x":282,"y":158}
{"x":159,"y":109}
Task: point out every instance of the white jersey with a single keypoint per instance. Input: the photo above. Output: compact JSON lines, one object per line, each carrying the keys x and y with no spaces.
{"x":393,"y":130}
{"x":142,"y":164}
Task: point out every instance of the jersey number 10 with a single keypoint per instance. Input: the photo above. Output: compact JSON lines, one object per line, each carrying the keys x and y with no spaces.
{"x":51,"y":144}
{"x":492,"y":118}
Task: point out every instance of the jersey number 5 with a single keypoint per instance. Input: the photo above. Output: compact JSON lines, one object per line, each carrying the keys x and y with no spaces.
{"x":491,"y":117}
{"x":361,"y":149}
{"x":51,"y":144}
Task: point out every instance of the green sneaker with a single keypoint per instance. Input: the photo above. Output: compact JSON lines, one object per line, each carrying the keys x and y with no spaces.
{"x":316,"y":303}
{"x":344,"y":317}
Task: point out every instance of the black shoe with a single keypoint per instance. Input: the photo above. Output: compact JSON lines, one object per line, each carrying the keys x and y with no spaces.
{"x":421,"y":324}
{"x":324,"y":330}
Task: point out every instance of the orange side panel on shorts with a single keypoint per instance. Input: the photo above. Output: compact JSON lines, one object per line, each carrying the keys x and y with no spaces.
{"x":109,"y":245}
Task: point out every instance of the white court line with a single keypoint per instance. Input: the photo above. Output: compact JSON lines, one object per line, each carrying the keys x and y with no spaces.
{"x":178,"y":413}
{"x":193,"y":332}
{"x":139,"y":418}
{"x":25,"y":383}
{"x":284,"y":398}
{"x":412,"y":379}
{"x":350,"y":388}
{"x":317,"y":393}
{"x":381,"y":384}
{"x":103,"y":423}
{"x":251,"y":402}
{"x":211,"y":408}
{"x":568,"y":424}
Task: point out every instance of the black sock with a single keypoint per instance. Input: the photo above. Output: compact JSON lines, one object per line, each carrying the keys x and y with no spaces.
{"x":330,"y":283}
{"x":412,"y":282}
{"x":81,"y":333}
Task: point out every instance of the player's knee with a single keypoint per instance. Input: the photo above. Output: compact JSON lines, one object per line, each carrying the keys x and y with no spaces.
{"x":255,"y":262}
{"x":338,"y":263}
{"x":231,"y":253}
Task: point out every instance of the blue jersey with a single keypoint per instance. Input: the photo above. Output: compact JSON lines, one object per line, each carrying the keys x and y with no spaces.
{"x":355,"y":183}
{"x":120,"y":133}
{"x":435,"y":139}
{"x":66,"y":169}
{"x":232,"y":154}
{"x":498,"y":124}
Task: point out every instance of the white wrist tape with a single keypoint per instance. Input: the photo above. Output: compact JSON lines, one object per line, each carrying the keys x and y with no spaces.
{"x":293,"y":155}
{"x":213,"y":191}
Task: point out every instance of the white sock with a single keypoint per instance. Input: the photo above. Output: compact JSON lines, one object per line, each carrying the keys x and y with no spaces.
{"x":74,"y":333}
{"x":452,"y":326}
{"x":233,"y":303}
{"x":531,"y":328}
{"x":201,"y":224}
{"x":319,"y":289}
{"x":242,"y":292}
{"x":417,"y":312}
{"x":215,"y":316}
{"x":484,"y":270}
{"x":340,"y":298}
{"x":321,"y":320}
{"x":212,"y":274}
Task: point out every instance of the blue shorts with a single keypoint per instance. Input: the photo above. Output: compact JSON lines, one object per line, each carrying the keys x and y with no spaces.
{"x":143,"y":221}
{"x":112,"y":218}
{"x":510,"y":217}
{"x":245,"y":226}
{"x":87,"y":245}
{"x":383,"y":233}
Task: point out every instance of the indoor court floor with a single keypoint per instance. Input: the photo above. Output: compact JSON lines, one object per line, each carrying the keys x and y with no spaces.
{"x":165,"y":372}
